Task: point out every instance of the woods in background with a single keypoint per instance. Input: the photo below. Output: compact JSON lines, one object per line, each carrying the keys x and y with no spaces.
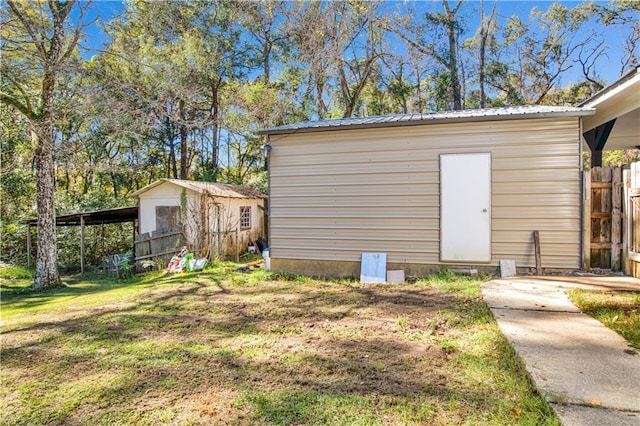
{"x":180,"y":89}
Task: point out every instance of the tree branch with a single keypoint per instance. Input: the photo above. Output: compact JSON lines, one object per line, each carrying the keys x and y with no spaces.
{"x":27,"y":26}
{"x":15,"y":102}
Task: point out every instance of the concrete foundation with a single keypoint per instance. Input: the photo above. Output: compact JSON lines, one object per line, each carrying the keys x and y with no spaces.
{"x":342,"y":269}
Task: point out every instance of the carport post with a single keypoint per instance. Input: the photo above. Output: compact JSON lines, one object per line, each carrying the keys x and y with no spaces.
{"x":82,"y":244}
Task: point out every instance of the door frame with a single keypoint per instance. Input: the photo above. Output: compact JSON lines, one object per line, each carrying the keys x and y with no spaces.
{"x":489,"y":208}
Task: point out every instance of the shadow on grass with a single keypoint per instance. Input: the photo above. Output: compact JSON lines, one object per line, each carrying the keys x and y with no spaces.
{"x":18,"y":294}
{"x":294,"y":353}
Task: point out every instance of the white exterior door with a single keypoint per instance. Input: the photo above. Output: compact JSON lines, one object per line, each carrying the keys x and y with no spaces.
{"x":465,"y":207}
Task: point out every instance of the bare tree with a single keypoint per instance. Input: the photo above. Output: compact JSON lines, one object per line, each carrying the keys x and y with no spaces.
{"x":487,"y":27}
{"x":414,"y":36}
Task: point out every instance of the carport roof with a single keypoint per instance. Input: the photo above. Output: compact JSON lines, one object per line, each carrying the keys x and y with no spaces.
{"x":619,"y":101}
{"x":469,"y":115}
{"x":96,"y":217}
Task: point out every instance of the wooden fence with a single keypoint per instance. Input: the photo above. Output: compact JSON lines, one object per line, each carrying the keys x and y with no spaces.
{"x":159,"y":246}
{"x":612,"y":213}
{"x":604,"y":204}
{"x":632,"y":213}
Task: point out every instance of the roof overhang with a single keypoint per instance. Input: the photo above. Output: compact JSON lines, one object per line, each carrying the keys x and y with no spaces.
{"x":620,"y":101}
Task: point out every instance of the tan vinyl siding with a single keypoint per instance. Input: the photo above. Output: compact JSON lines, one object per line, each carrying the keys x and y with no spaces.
{"x":336,"y":194}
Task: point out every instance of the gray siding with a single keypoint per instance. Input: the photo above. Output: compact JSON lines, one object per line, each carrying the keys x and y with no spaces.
{"x":336,"y":194}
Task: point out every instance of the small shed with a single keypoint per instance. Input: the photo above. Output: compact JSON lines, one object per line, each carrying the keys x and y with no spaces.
{"x":215,"y":219}
{"x":447,"y":189}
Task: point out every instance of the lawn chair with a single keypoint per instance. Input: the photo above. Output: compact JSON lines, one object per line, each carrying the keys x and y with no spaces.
{"x":119,"y":264}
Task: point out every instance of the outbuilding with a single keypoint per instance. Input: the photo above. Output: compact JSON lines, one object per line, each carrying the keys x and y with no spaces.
{"x":447,"y":189}
{"x":216,"y":219}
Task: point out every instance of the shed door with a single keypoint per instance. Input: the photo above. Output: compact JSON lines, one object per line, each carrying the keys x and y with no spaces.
{"x":167,"y":217}
{"x":465,"y":207}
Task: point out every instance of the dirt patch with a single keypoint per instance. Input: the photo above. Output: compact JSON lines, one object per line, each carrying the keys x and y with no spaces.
{"x":279,"y":352}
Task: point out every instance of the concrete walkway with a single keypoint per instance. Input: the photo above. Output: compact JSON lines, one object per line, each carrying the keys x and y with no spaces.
{"x":588,"y":373}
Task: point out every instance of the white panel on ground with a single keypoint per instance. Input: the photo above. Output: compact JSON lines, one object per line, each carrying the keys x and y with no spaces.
{"x":395,"y":276}
{"x":508,"y":268}
{"x":465,"y":207}
{"x":373,"y":268}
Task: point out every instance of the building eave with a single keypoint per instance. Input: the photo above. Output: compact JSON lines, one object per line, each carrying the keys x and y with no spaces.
{"x":466,"y":116}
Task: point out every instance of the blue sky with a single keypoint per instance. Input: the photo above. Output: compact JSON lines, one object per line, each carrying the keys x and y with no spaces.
{"x":105,"y":10}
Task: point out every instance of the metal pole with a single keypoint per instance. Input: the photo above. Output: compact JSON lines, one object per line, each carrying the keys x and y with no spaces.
{"x":82,"y":244}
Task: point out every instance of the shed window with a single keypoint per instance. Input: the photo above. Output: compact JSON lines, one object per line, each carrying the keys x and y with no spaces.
{"x":167,"y":218}
{"x":245,"y":217}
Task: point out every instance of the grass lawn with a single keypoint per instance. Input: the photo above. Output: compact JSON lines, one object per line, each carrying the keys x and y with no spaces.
{"x":620,"y":311}
{"x":222,"y":347}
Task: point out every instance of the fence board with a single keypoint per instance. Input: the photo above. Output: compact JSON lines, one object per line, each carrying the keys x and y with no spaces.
{"x":159,"y":245}
{"x":616,"y":218}
{"x":140,"y":248}
{"x":632,"y":215}
{"x":606,"y":217}
{"x":586,"y":219}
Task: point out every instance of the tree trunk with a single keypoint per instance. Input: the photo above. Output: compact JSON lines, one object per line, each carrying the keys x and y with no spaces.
{"x":47,"y":258}
{"x":453,"y":67}
{"x":266,"y":61}
{"x":453,"y":54}
{"x":485,"y":28}
{"x":481,"y":78}
{"x":420,"y":102}
{"x":51,"y":52}
{"x":47,"y":255}
{"x":214,"y":142}
{"x":184,"y":155}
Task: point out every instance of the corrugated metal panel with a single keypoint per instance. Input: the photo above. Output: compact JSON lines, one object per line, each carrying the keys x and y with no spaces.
{"x":337,"y":194}
{"x":486,"y":114}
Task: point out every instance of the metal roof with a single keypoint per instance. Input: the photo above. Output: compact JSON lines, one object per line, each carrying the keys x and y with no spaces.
{"x":469,"y":115}
{"x":623,"y":83}
{"x":215,"y":189}
{"x":619,"y":101}
{"x":97,"y":217}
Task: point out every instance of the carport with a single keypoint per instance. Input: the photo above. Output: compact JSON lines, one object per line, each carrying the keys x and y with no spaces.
{"x":614,"y":126}
{"x":97,"y":217}
{"x":616,"y":123}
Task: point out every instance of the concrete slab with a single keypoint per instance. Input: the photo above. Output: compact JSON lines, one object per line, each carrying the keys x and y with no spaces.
{"x":589,"y":374}
{"x":573,"y":415}
{"x":514,"y":294}
{"x":612,"y":283}
{"x":573,"y":359}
